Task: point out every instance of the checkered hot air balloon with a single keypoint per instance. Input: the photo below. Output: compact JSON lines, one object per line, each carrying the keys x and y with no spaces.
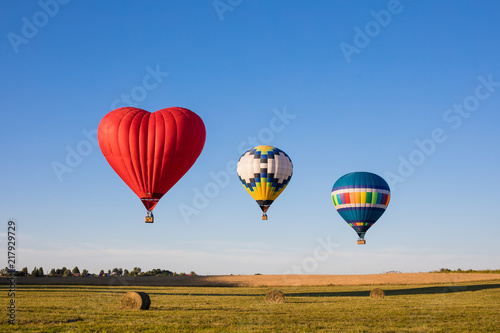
{"x":361,"y":198}
{"x":265,"y":171}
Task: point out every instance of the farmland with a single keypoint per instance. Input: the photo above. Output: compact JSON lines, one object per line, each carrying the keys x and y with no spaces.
{"x":409,"y":307}
{"x":263,"y":280}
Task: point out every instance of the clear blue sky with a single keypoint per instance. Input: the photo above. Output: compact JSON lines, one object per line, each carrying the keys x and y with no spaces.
{"x":409,"y":90}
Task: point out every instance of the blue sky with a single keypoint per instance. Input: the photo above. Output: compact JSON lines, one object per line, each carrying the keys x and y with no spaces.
{"x":409,"y":90}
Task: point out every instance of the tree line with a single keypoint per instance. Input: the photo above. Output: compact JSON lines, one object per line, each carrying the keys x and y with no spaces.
{"x":459,"y":270}
{"x":65,"y":272}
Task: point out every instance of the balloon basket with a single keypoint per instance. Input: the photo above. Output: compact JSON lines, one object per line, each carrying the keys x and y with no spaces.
{"x":361,"y":241}
{"x":264,"y":217}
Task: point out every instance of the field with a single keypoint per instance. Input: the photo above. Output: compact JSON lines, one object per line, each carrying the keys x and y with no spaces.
{"x":426,"y":306}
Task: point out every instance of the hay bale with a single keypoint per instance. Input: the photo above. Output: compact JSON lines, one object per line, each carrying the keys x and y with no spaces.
{"x":136,"y":300}
{"x":377,"y":293}
{"x":275,"y":296}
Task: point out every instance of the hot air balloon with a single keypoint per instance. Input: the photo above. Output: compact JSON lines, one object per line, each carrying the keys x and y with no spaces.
{"x":361,"y":198}
{"x":151,"y":151}
{"x":264,"y":171}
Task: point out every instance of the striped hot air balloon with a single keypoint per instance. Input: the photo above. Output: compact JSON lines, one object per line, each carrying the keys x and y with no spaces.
{"x":264,"y":171}
{"x":361,"y":198}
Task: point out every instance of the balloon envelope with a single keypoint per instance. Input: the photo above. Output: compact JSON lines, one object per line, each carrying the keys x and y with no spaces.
{"x":265,"y":171}
{"x":361,"y":198}
{"x":151,"y":151}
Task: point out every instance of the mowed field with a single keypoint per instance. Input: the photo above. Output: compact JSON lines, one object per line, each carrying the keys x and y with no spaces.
{"x":455,"y":303}
{"x":263,"y":280}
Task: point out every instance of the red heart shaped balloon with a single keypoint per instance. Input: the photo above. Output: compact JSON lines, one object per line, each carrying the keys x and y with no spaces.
{"x":151,"y":151}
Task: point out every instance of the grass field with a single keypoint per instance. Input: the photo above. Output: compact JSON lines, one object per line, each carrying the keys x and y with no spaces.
{"x":455,"y":307}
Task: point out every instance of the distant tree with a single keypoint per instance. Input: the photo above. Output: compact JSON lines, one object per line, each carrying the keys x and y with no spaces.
{"x":76,"y":270}
{"x":34,"y":272}
{"x":85,"y":272}
{"x":101,"y":272}
{"x":40,"y":271}
{"x":67,"y":273}
{"x":126,"y":272}
{"x":137,"y":269}
{"x":52,"y":272}
{"x":25,"y":271}
{"x":193,"y":273}
{"x":63,"y":270}
{"x":109,"y":271}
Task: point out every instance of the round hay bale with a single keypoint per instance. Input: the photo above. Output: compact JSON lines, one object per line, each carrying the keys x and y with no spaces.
{"x":377,"y":293}
{"x":136,"y":300}
{"x":275,"y":296}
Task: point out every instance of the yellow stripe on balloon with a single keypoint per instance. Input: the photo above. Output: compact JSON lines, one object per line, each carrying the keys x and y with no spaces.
{"x":362,"y":197}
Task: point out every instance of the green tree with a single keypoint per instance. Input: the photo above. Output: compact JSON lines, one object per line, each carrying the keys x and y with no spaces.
{"x":25,"y":271}
{"x":40,"y":271}
{"x":67,"y":273}
{"x":76,"y":270}
{"x":85,"y":272}
{"x":126,"y":272}
{"x":101,"y":272}
{"x":52,"y":272}
{"x":34,"y":272}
